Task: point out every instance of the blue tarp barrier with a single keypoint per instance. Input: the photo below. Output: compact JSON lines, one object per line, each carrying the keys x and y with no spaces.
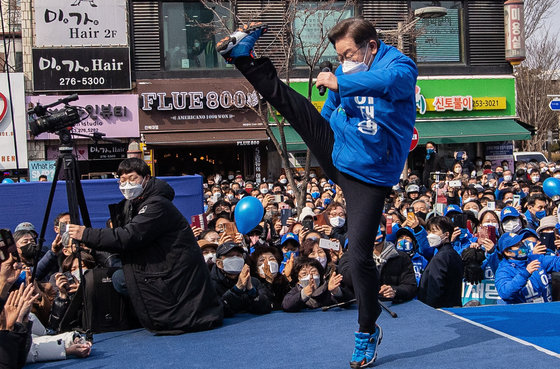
{"x":26,"y":202}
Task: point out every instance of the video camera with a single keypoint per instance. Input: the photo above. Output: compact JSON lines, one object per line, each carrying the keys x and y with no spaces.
{"x":43,"y":120}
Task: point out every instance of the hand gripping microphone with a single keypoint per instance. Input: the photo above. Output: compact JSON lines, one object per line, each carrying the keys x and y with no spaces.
{"x":325,"y":66}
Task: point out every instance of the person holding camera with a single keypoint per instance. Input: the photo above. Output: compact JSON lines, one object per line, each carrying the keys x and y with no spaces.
{"x":432,"y":163}
{"x":522,"y":277}
{"x":162,"y":262}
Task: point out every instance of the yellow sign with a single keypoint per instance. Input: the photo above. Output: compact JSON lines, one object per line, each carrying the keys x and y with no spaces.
{"x":478,"y":103}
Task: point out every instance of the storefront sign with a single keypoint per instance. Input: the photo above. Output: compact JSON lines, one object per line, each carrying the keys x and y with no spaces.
{"x":181,"y":105}
{"x":107,"y":151}
{"x":79,"y":69}
{"x":514,"y":25}
{"x":460,"y":103}
{"x":80,"y":23}
{"x":7,"y":121}
{"x":258,"y":175}
{"x":41,"y":168}
{"x":465,"y":97}
{"x":114,"y":115}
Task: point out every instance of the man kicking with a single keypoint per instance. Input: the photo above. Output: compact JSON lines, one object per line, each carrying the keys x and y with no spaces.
{"x":361,"y":139}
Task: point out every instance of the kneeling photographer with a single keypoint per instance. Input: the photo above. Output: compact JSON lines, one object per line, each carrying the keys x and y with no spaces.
{"x":163,"y":265}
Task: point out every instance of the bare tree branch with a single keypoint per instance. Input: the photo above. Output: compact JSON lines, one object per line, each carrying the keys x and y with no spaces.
{"x":536,"y":13}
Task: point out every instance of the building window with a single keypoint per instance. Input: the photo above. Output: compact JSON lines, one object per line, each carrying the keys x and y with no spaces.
{"x":190,"y":33}
{"x":313,"y":22}
{"x":440,"y":40}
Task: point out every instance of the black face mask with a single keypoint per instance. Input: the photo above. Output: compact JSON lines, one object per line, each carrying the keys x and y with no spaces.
{"x":421,"y":215}
{"x":28,"y":251}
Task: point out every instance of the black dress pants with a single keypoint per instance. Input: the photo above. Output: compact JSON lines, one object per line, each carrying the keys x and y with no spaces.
{"x":364,"y":201}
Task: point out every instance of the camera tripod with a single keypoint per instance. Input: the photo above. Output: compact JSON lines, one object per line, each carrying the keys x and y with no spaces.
{"x":76,"y":205}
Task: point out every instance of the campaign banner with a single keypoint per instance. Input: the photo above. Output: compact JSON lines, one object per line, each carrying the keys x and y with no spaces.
{"x":114,"y":115}
{"x":41,"y":167}
{"x":500,"y":151}
{"x":13,"y":99}
{"x":80,"y":151}
{"x":81,"y":69}
{"x":484,"y":292}
{"x":80,"y":23}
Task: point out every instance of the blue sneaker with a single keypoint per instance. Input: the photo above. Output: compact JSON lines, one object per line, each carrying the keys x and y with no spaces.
{"x":365,"y":349}
{"x":241,"y":42}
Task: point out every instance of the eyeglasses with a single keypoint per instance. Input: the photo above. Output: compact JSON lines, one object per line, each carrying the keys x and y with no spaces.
{"x":342,"y":58}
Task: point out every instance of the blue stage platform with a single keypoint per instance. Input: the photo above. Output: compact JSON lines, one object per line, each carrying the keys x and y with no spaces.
{"x":421,"y":337}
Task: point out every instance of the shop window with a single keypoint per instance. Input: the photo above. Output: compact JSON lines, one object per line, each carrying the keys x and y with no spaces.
{"x":440,"y":40}
{"x":190,"y":34}
{"x":313,"y":22}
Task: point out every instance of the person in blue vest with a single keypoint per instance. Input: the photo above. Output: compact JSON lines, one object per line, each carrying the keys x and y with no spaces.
{"x":536,"y":210}
{"x":361,"y":139}
{"x":522,"y":277}
{"x":406,"y":241}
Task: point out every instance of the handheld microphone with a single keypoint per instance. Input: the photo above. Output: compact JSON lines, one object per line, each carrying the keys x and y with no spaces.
{"x":325,"y":66}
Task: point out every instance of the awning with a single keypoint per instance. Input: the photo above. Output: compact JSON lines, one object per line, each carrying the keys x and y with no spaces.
{"x":238,"y":137}
{"x":293,"y":140}
{"x":465,"y":131}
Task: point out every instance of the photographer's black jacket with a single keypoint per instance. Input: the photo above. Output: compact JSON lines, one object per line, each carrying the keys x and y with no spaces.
{"x":166,"y":276}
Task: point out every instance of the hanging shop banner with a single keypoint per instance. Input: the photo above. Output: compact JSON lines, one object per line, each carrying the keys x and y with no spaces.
{"x":114,"y":115}
{"x":41,"y":168}
{"x":12,"y":99}
{"x":514,"y":20}
{"x":195,"y":104}
{"x":107,"y":151}
{"x":81,"y":69}
{"x":80,"y":23}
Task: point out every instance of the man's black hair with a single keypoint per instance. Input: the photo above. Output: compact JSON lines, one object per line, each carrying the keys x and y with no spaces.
{"x":359,"y":29}
{"x":56,"y":220}
{"x":220,"y":203}
{"x":443,"y":223}
{"x":130,"y":165}
{"x":533,"y":198}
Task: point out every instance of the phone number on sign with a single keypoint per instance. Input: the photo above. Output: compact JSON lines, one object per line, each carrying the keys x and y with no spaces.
{"x":84,"y":81}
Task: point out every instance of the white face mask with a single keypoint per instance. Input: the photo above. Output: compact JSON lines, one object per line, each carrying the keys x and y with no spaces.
{"x":233,"y":264}
{"x":434,"y":240}
{"x":323,"y":261}
{"x":458,"y":170}
{"x":272,"y":265}
{"x":283,"y":181}
{"x":230,"y":177}
{"x":304,"y":282}
{"x":264,"y":190}
{"x":513,"y":225}
{"x":337,"y":221}
{"x":131,"y":191}
{"x":506,"y":167}
{"x":507,"y":178}
{"x":76,"y":274}
{"x":351,"y":67}
{"x":210,"y":258}
{"x":535,"y":179}
{"x":490,"y":224}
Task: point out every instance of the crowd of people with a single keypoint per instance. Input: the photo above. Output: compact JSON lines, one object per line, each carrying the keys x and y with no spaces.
{"x":495,"y":223}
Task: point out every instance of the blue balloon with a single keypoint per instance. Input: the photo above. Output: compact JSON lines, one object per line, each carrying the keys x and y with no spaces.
{"x":551,"y":186}
{"x":248,"y":214}
{"x":7,"y":180}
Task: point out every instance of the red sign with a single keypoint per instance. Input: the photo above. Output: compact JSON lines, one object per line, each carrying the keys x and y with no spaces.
{"x":415,"y":138}
{"x":3,"y":106}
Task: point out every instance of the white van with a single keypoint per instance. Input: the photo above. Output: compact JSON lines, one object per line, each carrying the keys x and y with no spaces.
{"x":528,"y":156}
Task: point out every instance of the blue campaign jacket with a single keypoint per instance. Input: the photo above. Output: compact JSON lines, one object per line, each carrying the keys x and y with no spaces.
{"x":516,"y":285}
{"x":372,"y":116}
